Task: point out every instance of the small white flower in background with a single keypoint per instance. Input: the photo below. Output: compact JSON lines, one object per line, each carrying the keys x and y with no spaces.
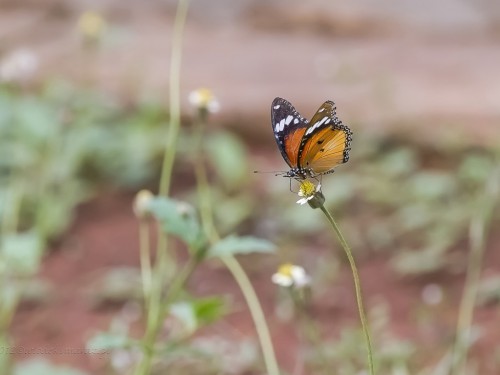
{"x":141,"y":203}
{"x":19,"y":66}
{"x":289,"y":275}
{"x":307,"y":191}
{"x":203,"y":99}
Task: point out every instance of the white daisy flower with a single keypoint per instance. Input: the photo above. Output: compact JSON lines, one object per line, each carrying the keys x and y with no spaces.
{"x":18,"y":66}
{"x":289,"y":275}
{"x":307,"y":191}
{"x":204,"y":99}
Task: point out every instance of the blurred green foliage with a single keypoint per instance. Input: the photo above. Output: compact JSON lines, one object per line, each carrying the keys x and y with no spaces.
{"x":411,"y":200}
{"x":40,"y":366}
{"x":57,"y":146}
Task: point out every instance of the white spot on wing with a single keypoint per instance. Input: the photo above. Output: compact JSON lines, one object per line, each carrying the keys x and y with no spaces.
{"x":282,"y":125}
{"x":316,"y":125}
{"x":321,"y":110}
{"x":276,"y":106}
{"x":296,"y":121}
{"x":289,"y":119}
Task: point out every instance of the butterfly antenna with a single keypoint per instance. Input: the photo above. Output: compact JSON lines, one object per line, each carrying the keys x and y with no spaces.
{"x":276,"y":173}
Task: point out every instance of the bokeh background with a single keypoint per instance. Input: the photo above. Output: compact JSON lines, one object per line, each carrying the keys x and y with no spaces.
{"x":83,"y":122}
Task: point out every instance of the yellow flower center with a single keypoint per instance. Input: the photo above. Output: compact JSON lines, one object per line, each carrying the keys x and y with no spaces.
{"x":205,"y":96}
{"x":91,"y":24}
{"x":307,"y":189}
{"x":286,"y":270}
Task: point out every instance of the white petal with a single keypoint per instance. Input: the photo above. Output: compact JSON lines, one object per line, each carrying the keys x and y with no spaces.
{"x":213,"y":106}
{"x":194,"y":98}
{"x":302,"y":200}
{"x":300,"y":277}
{"x":282,"y":280}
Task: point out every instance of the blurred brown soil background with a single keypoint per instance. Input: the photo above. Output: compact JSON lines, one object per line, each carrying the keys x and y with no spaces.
{"x":415,"y":63}
{"x":414,"y":66}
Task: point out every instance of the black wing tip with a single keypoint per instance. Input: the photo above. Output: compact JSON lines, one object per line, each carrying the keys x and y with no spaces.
{"x":348,"y":140}
{"x":279,"y":100}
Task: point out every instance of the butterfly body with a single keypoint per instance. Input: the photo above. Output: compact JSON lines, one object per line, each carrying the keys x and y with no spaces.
{"x":310,"y":148}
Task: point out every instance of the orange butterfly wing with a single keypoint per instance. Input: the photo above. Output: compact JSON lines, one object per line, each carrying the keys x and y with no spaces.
{"x":289,"y":128}
{"x":326,"y":142}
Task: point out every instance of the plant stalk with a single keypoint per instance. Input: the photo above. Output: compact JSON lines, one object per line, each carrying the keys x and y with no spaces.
{"x":164,"y":262}
{"x":357,"y":286}
{"x":257,"y":313}
{"x":231,"y":262}
{"x":175,"y":111}
{"x":144,"y":248}
{"x":478,"y":230}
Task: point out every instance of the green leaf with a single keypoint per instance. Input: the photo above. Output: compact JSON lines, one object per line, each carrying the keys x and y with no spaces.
{"x":43,"y":367}
{"x":208,"y":310}
{"x":227,"y":154}
{"x":240,"y":245}
{"x":197,"y":313}
{"x":475,"y":168}
{"x":105,"y":341}
{"x":178,"y":219}
{"x":184,"y":312}
{"x":35,"y":120}
{"x":21,"y":253}
{"x":432,"y":185}
{"x":55,"y":210}
{"x":399,"y":162}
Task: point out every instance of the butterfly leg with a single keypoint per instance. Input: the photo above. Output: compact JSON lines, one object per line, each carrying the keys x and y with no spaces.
{"x":299,"y":180}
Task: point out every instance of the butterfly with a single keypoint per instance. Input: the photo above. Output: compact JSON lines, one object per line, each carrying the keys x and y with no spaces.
{"x":310,"y":148}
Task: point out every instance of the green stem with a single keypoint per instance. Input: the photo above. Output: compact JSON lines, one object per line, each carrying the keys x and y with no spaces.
{"x":9,"y":224}
{"x":479,"y":228}
{"x":245,"y":286}
{"x":175,"y":111}
{"x":144,"y":248}
{"x":204,"y":196}
{"x":232,"y":263}
{"x":164,"y":263}
{"x":181,"y":279}
{"x":11,"y":215}
{"x":257,"y":313}
{"x":357,"y":286}
{"x":309,"y":329}
{"x":153,"y":329}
